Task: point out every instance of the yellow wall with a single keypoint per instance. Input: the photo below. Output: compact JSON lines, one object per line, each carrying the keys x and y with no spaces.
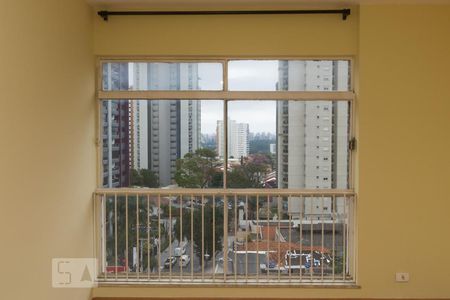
{"x":226,"y":35}
{"x":47,"y":126}
{"x":403,"y":128}
{"x":404,"y":133}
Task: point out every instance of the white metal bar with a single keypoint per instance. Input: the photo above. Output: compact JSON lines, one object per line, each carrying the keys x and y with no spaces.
{"x":301,"y":216}
{"x":148,"y":238}
{"x":235,"y":237}
{"x":227,"y":95}
{"x":353,"y":228}
{"x":290,"y":242}
{"x":246,"y":237}
{"x":104,"y":240}
{"x":192,"y":236}
{"x":279,"y":215}
{"x":344,"y":241}
{"x":347,"y":202}
{"x":159,"y":237}
{"x":170,"y":237}
{"x":115,"y":236}
{"x":258,"y":234}
{"x":221,"y":191}
{"x":203,"y":237}
{"x":137,"y":238}
{"x":214,"y":238}
{"x":126,"y":237}
{"x":322,"y":241}
{"x":180,"y":238}
{"x":213,"y":58}
{"x":311,"y":261}
{"x":268,"y":237}
{"x":225,"y":238}
{"x":333,"y":251}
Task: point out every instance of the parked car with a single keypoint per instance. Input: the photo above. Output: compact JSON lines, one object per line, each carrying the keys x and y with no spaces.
{"x":170,"y":261}
{"x":184,"y":260}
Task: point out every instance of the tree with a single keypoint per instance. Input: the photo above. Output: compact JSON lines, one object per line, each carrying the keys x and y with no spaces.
{"x":137,"y":207}
{"x":250,"y":173}
{"x":209,"y":244}
{"x":198,"y":169}
{"x":144,"y":178}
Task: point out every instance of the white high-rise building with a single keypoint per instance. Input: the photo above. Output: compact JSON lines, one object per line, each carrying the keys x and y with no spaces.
{"x":312,"y":136}
{"x":164,"y":130}
{"x":238,"y":140}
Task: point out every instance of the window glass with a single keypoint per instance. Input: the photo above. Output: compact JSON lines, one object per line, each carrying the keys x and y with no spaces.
{"x":160,"y":76}
{"x":289,"y":75}
{"x":161,"y":143}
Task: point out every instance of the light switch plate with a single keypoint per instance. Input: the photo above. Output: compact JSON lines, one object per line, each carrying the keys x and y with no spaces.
{"x":402,"y":277}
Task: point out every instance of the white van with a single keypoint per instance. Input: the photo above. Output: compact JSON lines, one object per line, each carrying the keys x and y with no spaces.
{"x":184,"y":260}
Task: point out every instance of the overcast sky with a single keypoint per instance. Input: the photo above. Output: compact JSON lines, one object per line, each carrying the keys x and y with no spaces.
{"x":243,"y":76}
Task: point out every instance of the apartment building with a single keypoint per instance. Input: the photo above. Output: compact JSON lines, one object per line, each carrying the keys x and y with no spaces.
{"x":164,"y":131}
{"x":312,"y":136}
{"x":115,"y":129}
{"x":238,"y":139}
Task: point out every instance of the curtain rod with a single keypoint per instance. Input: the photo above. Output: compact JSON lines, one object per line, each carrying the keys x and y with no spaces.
{"x":105,"y":13}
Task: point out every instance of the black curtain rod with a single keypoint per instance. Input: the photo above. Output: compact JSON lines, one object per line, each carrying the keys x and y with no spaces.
{"x":105,"y":13}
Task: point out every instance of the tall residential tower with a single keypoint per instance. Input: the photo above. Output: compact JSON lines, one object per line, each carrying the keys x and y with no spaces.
{"x":164,"y":130}
{"x":238,"y":139}
{"x":312,"y":135}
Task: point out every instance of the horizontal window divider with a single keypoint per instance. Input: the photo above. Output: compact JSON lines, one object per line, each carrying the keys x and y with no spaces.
{"x":225,"y":192}
{"x":227,"y":95}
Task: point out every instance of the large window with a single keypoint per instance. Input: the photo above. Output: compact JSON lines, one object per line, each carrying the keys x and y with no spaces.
{"x":248,"y":161}
{"x":267,"y":140}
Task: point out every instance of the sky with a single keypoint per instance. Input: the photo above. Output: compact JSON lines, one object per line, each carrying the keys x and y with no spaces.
{"x":261,"y":115}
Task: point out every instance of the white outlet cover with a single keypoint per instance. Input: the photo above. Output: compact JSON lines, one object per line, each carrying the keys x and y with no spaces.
{"x":402,"y":277}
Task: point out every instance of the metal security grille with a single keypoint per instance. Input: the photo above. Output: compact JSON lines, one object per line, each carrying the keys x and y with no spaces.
{"x":225,"y":236}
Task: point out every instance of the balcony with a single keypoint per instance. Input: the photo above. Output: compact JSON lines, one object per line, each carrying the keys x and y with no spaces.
{"x":226,"y":237}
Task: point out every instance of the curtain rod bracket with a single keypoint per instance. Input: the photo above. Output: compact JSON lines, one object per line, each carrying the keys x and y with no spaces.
{"x":104,"y":14}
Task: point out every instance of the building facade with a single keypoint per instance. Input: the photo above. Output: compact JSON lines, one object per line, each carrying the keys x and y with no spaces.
{"x":312,"y":136}
{"x":115,"y":129}
{"x":164,"y":130}
{"x":238,"y":139}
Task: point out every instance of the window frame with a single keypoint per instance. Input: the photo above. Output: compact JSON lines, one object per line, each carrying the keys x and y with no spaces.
{"x":224,"y":95}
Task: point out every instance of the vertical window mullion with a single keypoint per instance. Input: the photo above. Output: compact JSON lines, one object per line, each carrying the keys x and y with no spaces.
{"x":225,"y":123}
{"x":225,"y":142}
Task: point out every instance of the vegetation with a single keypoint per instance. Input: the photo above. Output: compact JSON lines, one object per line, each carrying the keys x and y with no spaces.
{"x":260,"y":142}
{"x":144,"y":178}
{"x":208,"y":229}
{"x":130,"y":215}
{"x":198,"y":169}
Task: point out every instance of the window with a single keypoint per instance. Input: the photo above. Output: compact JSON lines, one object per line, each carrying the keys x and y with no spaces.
{"x":233,"y":153}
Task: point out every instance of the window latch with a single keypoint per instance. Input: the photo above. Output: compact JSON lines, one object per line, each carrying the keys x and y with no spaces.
{"x":352,"y":144}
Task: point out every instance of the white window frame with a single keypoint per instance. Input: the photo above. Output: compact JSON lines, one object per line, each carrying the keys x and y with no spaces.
{"x":224,"y":95}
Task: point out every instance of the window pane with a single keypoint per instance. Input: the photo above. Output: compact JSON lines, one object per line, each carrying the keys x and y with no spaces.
{"x":289,"y":75}
{"x":143,"y":76}
{"x":288,"y":144}
{"x":161,"y":143}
